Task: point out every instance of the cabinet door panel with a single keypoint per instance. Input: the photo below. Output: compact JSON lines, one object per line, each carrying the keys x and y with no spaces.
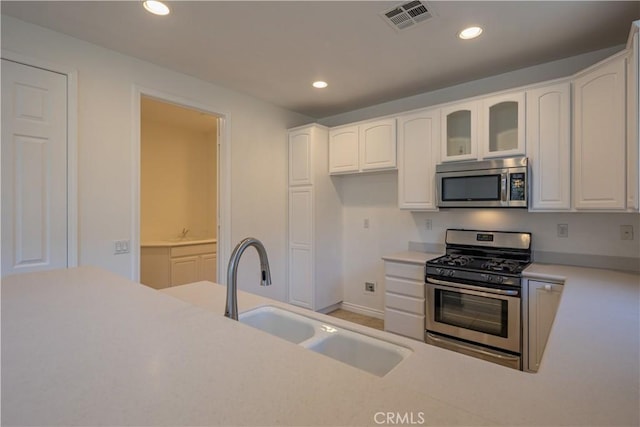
{"x":600,"y":146}
{"x":378,"y":145}
{"x":300,"y":158}
{"x":544,"y":299}
{"x":343,"y":150}
{"x":418,"y":153}
{"x":404,"y":303}
{"x":412,"y":288}
{"x":184,"y":270}
{"x":209,"y":267}
{"x":301,"y":216}
{"x":301,"y":277}
{"x":459,"y":132}
{"x":549,"y":146}
{"x":504,"y":125}
{"x":633,"y":123}
{"x":409,"y":325}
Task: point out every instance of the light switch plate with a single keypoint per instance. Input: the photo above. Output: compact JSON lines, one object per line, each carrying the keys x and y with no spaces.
{"x":121,"y":247}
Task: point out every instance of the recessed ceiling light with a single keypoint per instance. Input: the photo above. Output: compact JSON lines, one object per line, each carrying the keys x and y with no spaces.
{"x":470,"y":33}
{"x":156,"y":7}
{"x":320,"y":84}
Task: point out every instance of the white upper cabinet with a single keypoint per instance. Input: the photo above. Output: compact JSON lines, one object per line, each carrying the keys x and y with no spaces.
{"x":503,"y":131}
{"x":300,"y":172}
{"x":460,"y":131}
{"x":378,"y":145}
{"x":484,"y":128}
{"x":368,"y":146}
{"x":633,"y":131}
{"x":599,"y":155}
{"x":344,"y":154}
{"x":418,"y":154}
{"x":549,"y":146}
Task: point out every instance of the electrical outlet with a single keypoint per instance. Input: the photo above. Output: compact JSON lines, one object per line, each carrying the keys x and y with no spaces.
{"x":121,"y":247}
{"x":626,"y":232}
{"x":428,"y":224}
{"x":365,"y":223}
{"x":563,"y":230}
{"x":370,"y":287}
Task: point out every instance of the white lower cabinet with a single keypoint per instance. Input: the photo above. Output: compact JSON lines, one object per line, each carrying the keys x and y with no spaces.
{"x":404,"y":299}
{"x":539,"y":312}
{"x":166,"y":266}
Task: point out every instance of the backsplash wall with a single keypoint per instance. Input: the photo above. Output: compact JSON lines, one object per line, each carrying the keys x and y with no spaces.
{"x":374,"y":197}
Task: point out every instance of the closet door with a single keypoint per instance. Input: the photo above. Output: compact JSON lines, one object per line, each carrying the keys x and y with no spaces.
{"x":34,"y":169}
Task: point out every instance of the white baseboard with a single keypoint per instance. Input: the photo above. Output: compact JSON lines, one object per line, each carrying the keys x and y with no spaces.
{"x":378,"y":314}
{"x":330,"y":308}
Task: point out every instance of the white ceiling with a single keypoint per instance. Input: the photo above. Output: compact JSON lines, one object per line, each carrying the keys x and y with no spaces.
{"x":274,"y":50}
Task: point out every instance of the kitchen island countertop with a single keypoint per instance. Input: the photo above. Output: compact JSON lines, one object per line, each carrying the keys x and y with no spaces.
{"x":85,"y":347}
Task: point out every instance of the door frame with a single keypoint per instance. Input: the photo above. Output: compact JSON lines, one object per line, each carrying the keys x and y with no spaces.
{"x":223,"y":183}
{"x":72,"y":143}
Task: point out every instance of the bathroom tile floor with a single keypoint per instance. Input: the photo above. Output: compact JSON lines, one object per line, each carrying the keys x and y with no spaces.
{"x":360,"y":319}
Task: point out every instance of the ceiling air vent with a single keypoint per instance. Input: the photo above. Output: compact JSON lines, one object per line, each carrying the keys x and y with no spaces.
{"x":407,"y":15}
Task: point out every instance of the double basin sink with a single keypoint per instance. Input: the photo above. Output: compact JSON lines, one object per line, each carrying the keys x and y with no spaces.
{"x":370,"y":354}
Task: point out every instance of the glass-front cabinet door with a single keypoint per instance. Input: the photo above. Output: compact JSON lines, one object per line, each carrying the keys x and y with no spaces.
{"x":459,"y":132}
{"x":504,"y":129}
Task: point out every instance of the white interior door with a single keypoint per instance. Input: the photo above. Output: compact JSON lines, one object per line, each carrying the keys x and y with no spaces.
{"x":34,"y":169}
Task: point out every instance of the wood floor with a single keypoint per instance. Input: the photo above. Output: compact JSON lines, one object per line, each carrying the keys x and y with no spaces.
{"x":361,"y":319}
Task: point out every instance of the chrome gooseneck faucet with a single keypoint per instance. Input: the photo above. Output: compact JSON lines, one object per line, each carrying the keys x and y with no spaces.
{"x":231,"y":310}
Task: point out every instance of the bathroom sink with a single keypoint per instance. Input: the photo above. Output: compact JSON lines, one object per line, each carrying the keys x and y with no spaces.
{"x":369,"y":354}
{"x":361,"y":351}
{"x":278,"y":322}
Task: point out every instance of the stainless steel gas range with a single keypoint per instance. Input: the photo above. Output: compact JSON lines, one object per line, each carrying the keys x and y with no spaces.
{"x":473,"y":295}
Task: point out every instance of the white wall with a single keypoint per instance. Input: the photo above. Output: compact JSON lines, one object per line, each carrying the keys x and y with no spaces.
{"x":390,"y":230}
{"x":106,"y":183}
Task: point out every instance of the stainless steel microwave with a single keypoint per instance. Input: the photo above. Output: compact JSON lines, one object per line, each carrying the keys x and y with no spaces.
{"x":499,"y":183}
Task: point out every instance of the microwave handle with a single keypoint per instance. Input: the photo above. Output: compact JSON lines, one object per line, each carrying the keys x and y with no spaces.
{"x":504,"y":177}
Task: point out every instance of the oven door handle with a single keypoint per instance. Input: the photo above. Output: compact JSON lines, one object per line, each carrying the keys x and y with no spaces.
{"x":474,"y":349}
{"x":507,"y":292}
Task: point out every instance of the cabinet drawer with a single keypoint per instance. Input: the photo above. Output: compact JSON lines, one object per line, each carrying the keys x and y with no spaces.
{"x":406,"y":271}
{"x":193,"y":250}
{"x":405,"y":287}
{"x":404,"y":303}
{"x":409,"y":325}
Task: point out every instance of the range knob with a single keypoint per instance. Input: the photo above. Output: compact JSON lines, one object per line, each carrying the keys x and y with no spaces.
{"x":439,"y":271}
{"x":450,"y":273}
{"x":498,"y":279}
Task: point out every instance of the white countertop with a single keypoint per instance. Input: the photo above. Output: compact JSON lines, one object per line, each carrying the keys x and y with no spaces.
{"x":411,"y":257}
{"x":187,"y":241}
{"x":86,"y":347}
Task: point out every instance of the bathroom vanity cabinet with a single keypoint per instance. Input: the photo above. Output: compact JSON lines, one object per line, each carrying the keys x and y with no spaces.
{"x":172,"y":264}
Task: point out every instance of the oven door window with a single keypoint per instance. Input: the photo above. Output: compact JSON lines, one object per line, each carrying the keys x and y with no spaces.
{"x":483,"y":314}
{"x":478,"y":188}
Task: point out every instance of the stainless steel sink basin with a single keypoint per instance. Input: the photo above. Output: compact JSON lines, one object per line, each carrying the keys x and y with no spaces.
{"x":361,"y":351}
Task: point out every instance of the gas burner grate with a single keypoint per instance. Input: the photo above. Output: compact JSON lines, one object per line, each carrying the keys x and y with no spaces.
{"x":501,"y":265}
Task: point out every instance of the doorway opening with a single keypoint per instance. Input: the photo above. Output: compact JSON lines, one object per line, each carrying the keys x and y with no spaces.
{"x":179,"y":186}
